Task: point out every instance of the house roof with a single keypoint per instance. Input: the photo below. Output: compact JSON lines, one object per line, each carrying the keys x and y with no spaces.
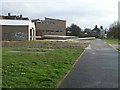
{"x":14,"y":22}
{"x":102,"y":30}
{"x":96,"y":29}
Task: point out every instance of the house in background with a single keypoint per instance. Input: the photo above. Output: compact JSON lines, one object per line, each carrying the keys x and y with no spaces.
{"x":50,"y":26}
{"x":102,"y":32}
{"x":98,"y":32}
{"x":17,"y":28}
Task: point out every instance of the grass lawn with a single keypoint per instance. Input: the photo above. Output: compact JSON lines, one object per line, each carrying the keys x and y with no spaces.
{"x":0,"y":68}
{"x":23,"y":70}
{"x":112,"y":41}
{"x":118,"y":49}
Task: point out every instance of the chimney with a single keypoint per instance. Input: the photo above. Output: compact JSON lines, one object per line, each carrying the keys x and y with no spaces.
{"x":95,"y":26}
{"x":17,"y":17}
{"x":21,"y":16}
{"x":101,"y":27}
{"x":8,"y":14}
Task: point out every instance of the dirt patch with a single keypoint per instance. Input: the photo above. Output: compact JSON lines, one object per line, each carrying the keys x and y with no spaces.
{"x":39,"y":49}
{"x":29,"y":52}
{"x":45,"y":44}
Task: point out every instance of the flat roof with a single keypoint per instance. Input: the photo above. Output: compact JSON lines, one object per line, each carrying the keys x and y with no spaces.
{"x":55,"y":19}
{"x":14,"y":22}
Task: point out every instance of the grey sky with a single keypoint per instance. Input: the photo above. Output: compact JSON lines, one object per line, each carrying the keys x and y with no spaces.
{"x":85,"y":13}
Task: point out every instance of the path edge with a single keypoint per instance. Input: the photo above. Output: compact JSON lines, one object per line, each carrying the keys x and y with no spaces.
{"x":111,"y":46}
{"x":59,"y":83}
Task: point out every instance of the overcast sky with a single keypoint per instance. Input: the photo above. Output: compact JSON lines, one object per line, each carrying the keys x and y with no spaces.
{"x":84,"y":13}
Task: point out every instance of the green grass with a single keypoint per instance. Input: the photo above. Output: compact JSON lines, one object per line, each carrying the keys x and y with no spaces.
{"x":0,"y":67}
{"x":118,"y":49}
{"x":112,"y":41}
{"x":22,"y":70}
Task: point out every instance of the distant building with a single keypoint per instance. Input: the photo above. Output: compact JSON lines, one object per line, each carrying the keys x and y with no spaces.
{"x":98,"y":32}
{"x":17,"y":28}
{"x":13,"y":17}
{"x":102,"y":32}
{"x":50,"y":26}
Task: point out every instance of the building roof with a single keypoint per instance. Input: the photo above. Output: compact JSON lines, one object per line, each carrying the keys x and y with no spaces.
{"x":96,"y":29}
{"x":55,"y":19}
{"x":35,"y":20}
{"x":101,"y":29}
{"x":14,"y":22}
{"x":13,"y":17}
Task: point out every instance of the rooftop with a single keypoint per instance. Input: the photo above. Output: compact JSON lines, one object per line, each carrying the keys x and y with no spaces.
{"x":14,"y":17}
{"x":14,"y":22}
{"x":55,"y":19}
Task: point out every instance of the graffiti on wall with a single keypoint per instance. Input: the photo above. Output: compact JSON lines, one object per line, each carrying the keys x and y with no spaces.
{"x":19,"y":36}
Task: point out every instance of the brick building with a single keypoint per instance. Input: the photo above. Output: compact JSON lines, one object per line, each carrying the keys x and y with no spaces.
{"x":50,"y":26}
{"x":16,"y":27}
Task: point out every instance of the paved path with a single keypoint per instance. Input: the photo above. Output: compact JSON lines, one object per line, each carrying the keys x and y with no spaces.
{"x":97,"y":68}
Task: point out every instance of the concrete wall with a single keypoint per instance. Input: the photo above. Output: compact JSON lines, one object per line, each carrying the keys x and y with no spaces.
{"x":51,"y":27}
{"x":11,"y":32}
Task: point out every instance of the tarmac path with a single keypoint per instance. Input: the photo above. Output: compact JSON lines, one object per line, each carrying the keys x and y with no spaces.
{"x":97,"y":68}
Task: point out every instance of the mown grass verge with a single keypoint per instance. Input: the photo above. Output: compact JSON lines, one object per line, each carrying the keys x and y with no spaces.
{"x":111,"y":40}
{"x":22,"y":70}
{"x":119,"y":49}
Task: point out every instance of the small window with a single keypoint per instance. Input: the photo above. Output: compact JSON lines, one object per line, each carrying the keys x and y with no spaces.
{"x":61,"y":30}
{"x":57,"y":30}
{"x":52,"y":30}
{"x":42,"y":30}
{"x":46,"y":30}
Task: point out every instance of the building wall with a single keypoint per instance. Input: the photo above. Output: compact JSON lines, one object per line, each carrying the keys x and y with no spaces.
{"x":96,"y":33}
{"x":51,"y":27}
{"x":13,"y":32}
{"x":1,"y":17}
{"x":102,"y":33}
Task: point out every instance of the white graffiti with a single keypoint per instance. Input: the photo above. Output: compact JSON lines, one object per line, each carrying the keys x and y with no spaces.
{"x":20,"y":35}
